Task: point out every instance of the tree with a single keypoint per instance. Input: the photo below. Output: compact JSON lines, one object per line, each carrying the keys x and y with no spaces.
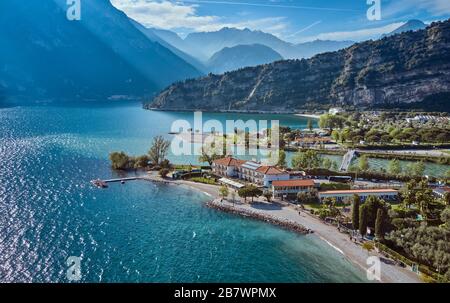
{"x":429,"y":245}
{"x":119,"y":160}
{"x":416,"y":169}
{"x":368,"y":246}
{"x":394,"y":167}
{"x":447,"y":176}
{"x":336,"y":135}
{"x":445,"y":217}
{"x":346,"y":134}
{"x":331,"y":121}
{"x":141,"y":161}
{"x":209,"y":156}
{"x":306,"y":160}
{"x":254,"y":192}
{"x":363,"y":163}
{"x":363,"y":220}
{"x":307,"y":197}
{"x":372,"y":204}
{"x":165,"y":164}
{"x":268,"y":195}
{"x":163,"y":172}
{"x":158,"y":150}
{"x":419,"y":169}
{"x":223,"y":191}
{"x":309,"y":125}
{"x":250,"y":191}
{"x":327,"y":163}
{"x":233,"y":196}
{"x":282,"y":158}
{"x":355,"y":211}
{"x":380,"y":224}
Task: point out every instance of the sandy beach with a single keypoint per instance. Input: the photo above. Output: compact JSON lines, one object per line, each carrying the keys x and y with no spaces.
{"x":308,"y":116}
{"x":286,"y":213}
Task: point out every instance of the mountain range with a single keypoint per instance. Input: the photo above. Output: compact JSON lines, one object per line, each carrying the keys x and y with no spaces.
{"x":45,"y":56}
{"x":233,"y":58}
{"x":407,"y":68}
{"x":411,"y":25}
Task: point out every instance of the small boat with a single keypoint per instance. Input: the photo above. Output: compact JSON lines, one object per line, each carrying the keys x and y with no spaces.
{"x":122,"y":182}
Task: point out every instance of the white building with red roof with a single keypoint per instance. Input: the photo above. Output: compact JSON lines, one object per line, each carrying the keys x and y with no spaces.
{"x":281,"y":189}
{"x":249,"y":171}
{"x":226,"y":167}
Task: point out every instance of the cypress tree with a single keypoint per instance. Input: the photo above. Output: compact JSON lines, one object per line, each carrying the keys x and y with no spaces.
{"x":363,"y":220}
{"x":379,"y":224}
{"x":355,"y":212}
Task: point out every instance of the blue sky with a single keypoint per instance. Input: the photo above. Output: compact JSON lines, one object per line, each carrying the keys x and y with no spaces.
{"x":291,"y":20}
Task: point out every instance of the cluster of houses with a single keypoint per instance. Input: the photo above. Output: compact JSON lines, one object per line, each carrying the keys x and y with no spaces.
{"x":426,"y":118}
{"x":283,"y":184}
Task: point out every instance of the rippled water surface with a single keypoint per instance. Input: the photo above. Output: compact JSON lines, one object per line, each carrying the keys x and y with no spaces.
{"x":134,"y":232}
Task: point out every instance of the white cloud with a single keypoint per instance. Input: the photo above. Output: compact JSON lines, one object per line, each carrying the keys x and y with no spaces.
{"x":172,"y":16}
{"x":358,"y":35}
{"x":435,"y":7}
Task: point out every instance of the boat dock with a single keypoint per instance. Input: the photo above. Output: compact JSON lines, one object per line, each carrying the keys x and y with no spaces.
{"x":104,"y":183}
{"x":121,"y":179}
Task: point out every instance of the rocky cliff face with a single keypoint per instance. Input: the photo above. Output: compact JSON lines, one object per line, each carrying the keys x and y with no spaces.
{"x":400,"y":69}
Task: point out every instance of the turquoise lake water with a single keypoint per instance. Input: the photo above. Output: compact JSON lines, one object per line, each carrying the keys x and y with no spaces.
{"x":138,"y":232}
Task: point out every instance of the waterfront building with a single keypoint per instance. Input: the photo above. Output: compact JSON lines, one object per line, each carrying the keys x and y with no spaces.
{"x":226,"y":167}
{"x":340,"y":195}
{"x":440,"y":192}
{"x":249,"y":171}
{"x":291,"y":188}
{"x":336,"y":110}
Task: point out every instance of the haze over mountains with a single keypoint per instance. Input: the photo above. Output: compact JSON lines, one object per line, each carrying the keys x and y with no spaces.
{"x":45,"y":56}
{"x":411,"y":25}
{"x":405,"y":69}
{"x":205,"y":44}
{"x":233,"y":58}
{"x":213,"y":48}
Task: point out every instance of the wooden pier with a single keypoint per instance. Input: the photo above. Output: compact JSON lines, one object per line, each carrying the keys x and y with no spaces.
{"x":104,"y":183}
{"x":121,"y":179}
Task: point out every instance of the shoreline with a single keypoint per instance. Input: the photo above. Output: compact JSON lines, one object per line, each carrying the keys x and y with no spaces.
{"x":312,"y":116}
{"x":234,"y":111}
{"x":285,"y":224}
{"x":285,"y":216}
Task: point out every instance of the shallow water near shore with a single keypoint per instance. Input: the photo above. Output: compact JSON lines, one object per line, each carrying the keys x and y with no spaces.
{"x":137,"y":232}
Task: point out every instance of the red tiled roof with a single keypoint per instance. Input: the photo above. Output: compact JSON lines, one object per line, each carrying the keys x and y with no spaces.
{"x":270,"y":170}
{"x":228,"y":161}
{"x":294,"y":183}
{"x":359,"y":191}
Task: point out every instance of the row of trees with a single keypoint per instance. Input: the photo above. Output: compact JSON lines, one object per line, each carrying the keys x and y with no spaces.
{"x":384,"y":129}
{"x":156,"y":156}
{"x":311,"y":159}
{"x":373,"y":214}
{"x":249,"y":191}
{"x":419,"y":227}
